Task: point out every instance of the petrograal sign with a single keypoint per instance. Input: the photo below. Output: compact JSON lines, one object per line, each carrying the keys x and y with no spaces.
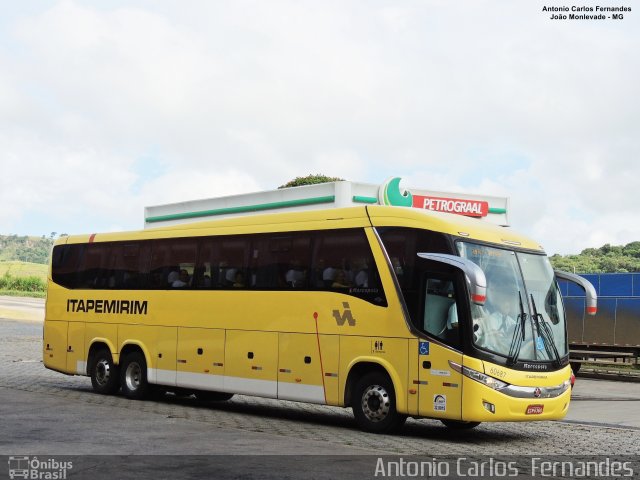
{"x":470,"y":208}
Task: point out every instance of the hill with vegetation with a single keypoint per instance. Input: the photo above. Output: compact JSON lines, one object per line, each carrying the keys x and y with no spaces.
{"x":26,"y":249}
{"x":23,"y":264}
{"x":606,"y":259}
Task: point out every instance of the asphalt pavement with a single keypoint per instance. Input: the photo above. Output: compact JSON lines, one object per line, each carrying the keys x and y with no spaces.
{"x":51,"y":416}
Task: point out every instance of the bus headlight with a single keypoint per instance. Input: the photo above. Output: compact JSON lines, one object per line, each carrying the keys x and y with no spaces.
{"x":484,"y":379}
{"x":478,"y":376}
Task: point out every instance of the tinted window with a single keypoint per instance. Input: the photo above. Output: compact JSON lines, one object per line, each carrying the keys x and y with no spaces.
{"x":335,"y":260}
{"x":343,"y":262}
{"x":172,"y":263}
{"x":129,"y":265}
{"x":223,"y":263}
{"x":280,"y":261}
{"x":65,"y":262}
{"x":402,"y":246}
{"x":94,"y":271}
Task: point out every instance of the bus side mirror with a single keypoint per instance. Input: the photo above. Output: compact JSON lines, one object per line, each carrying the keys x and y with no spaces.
{"x":592,"y":297}
{"x":476,"y":280}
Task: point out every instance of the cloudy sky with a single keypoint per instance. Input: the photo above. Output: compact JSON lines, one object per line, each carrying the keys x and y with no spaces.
{"x":106,"y":107}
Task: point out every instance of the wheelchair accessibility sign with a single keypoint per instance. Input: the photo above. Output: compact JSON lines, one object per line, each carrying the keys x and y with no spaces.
{"x":423,"y":348}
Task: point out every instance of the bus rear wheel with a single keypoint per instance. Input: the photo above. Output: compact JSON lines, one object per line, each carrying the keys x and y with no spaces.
{"x":104,"y":373}
{"x":374,"y":404}
{"x":133,"y":376}
{"x":459,"y":425}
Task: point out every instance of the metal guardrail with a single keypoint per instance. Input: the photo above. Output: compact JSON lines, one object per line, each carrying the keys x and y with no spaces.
{"x":603,"y":373}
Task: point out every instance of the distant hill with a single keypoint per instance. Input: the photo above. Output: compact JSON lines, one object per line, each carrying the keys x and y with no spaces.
{"x":25,"y":249}
{"x":606,"y":259}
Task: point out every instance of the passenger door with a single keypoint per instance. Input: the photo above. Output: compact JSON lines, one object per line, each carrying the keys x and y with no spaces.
{"x":440,"y":386}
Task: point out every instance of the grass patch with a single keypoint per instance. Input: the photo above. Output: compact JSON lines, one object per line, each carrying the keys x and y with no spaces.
{"x":18,"y":277}
{"x":24,"y":269}
{"x":23,"y":279}
{"x":17,"y":293}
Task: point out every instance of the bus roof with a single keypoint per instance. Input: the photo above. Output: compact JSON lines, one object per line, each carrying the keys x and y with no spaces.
{"x":349,"y":217}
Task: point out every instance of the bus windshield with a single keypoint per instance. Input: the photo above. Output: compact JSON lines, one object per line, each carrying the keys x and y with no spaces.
{"x":523,"y":318}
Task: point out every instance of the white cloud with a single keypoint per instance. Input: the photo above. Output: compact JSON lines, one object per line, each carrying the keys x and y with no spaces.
{"x":193,"y":185}
{"x":230,"y":97}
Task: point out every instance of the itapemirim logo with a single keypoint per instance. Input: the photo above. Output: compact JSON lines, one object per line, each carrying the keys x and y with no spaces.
{"x":345,"y":316}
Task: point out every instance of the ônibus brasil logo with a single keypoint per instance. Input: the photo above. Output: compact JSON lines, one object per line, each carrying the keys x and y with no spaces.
{"x":33,"y":468}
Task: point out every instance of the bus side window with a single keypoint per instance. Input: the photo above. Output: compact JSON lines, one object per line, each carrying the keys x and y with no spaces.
{"x":160,"y":252}
{"x":232,"y":256}
{"x":66,"y":260}
{"x":94,"y":269}
{"x":401,"y":245}
{"x":210,"y":271}
{"x":343,"y":263}
{"x":129,"y":266}
{"x":440,"y":318}
{"x":280,"y":261}
{"x":173,"y":263}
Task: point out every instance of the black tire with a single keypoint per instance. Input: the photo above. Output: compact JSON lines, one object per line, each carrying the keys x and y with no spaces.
{"x":458,"y":425}
{"x":105,"y":378}
{"x":208,"y":396}
{"x":133,"y":376}
{"x":374,"y":404}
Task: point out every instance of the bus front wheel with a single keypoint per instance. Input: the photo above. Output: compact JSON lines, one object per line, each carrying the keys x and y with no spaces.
{"x":374,"y":404}
{"x":104,"y":373}
{"x":133,"y":376}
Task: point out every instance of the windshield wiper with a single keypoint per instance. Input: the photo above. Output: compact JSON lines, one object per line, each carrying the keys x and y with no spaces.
{"x":544,"y":332}
{"x":516,"y":340}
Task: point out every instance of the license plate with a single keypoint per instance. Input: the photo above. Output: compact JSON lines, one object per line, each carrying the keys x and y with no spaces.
{"x":534,"y":409}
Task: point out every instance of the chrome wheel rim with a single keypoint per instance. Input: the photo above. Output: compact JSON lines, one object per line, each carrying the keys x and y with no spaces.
{"x":103,"y":372}
{"x":376,"y":403}
{"x":133,"y":376}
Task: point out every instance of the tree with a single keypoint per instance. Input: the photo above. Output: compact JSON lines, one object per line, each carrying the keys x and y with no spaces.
{"x":25,"y":249}
{"x":606,"y":259}
{"x":310,"y":180}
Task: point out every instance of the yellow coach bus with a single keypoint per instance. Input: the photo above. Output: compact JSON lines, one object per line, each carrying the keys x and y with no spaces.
{"x":392,"y":311}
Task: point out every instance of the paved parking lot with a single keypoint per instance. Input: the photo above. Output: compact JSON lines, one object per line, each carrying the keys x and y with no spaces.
{"x":47,"y":412}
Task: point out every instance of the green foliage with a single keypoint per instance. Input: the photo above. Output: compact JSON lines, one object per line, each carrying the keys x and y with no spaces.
{"x":310,"y":180}
{"x":26,"y":249}
{"x":21,"y":284}
{"x":606,"y":259}
{"x":24,"y":269}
